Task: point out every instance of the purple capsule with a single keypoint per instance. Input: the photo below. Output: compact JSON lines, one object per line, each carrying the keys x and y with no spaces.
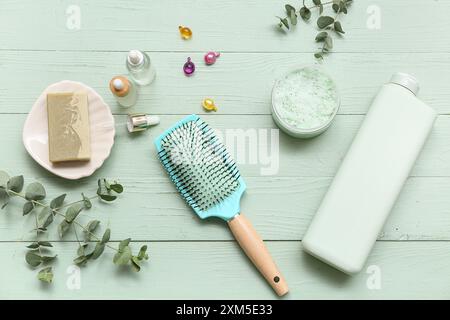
{"x":189,"y":67}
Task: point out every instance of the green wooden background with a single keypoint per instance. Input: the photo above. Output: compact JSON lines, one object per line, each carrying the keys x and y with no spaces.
{"x":190,"y":258}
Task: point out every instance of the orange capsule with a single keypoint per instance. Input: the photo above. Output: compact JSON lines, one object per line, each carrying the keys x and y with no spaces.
{"x":185,"y":32}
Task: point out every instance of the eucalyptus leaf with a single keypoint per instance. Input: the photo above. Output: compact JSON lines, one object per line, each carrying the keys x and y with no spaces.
{"x":285,"y":22}
{"x":90,"y":228}
{"x":33,"y":245}
{"x":33,"y":259}
{"x":321,"y":36}
{"x":142,"y":253}
{"x":335,"y":7}
{"x":338,"y":27}
{"x":27,"y":207}
{"x":106,"y":236}
{"x":123,"y":256}
{"x":46,"y":275}
{"x":135,"y":264}
{"x":45,"y":244}
{"x":15,"y":184}
{"x":107,"y":197}
{"x":289,"y":8}
{"x":58,"y":201}
{"x":329,"y":43}
{"x":81,"y":249}
{"x":45,"y":217}
{"x":47,"y":259}
{"x":320,"y":9}
{"x":35,"y":191}
{"x":305,"y":13}
{"x":81,"y":260}
{"x":324,"y":21}
{"x":317,"y":2}
{"x":4,"y":178}
{"x":63,"y":227}
{"x":124,"y":243}
{"x":290,"y":11}
{"x":73,"y":211}
{"x":98,"y":250}
{"x":87,"y":203}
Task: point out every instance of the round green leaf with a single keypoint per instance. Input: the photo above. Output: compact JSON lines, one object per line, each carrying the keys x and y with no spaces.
{"x":46,"y":275}
{"x":305,"y":13}
{"x":15,"y":184}
{"x":58,"y":201}
{"x":338,"y":27}
{"x":27,"y":207}
{"x":33,"y":259}
{"x":123,"y":256}
{"x":324,"y":21}
{"x":35,"y":191}
{"x":321,"y":36}
{"x":73,"y":211}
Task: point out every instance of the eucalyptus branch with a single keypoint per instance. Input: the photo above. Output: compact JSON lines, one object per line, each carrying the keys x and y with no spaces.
{"x":325,"y":23}
{"x":44,"y":217}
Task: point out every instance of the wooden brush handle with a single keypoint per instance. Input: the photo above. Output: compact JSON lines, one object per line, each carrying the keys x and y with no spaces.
{"x":255,"y":249}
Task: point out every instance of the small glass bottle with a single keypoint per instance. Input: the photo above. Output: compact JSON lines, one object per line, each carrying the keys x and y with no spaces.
{"x":140,"y":67}
{"x":124,"y":90}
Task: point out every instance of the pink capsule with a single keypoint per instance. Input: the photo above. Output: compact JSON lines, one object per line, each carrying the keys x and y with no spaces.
{"x":189,"y":67}
{"x":210,"y":57}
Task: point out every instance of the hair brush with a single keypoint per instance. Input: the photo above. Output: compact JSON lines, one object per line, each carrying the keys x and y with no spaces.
{"x":208,"y":179}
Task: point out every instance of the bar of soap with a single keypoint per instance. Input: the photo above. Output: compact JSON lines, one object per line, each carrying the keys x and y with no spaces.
{"x":68,"y":127}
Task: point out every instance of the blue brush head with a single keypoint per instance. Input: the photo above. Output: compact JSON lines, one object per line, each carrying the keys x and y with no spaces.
{"x":201,"y":169}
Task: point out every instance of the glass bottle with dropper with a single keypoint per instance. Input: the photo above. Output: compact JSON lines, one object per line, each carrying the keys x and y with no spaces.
{"x":140,"y":67}
{"x":124,"y":90}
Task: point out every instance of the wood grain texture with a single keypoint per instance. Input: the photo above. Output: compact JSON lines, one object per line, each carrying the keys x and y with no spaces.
{"x":240,"y":83}
{"x":316,"y":157}
{"x":279,"y":208}
{"x":248,"y":26}
{"x":217,"y":270}
{"x":195,"y":259}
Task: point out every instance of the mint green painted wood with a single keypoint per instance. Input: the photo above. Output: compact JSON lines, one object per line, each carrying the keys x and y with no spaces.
{"x":226,"y":26}
{"x":250,"y":95}
{"x":192,"y":258}
{"x":218,"y":270}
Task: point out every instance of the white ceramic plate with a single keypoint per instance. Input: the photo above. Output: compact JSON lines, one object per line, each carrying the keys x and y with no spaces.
{"x":35,"y":132}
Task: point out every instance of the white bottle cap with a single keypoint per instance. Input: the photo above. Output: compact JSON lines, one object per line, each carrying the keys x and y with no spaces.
{"x":407,"y":81}
{"x":118,"y":84}
{"x":135,"y":57}
{"x":152,"y":120}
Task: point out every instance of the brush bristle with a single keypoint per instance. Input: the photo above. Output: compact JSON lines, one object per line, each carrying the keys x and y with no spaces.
{"x":199,"y":165}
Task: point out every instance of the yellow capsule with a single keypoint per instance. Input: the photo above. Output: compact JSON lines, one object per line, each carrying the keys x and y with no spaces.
{"x":185,"y":32}
{"x":208,"y":104}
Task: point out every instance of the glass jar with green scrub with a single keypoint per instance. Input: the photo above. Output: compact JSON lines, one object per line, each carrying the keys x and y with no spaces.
{"x":304,"y":102}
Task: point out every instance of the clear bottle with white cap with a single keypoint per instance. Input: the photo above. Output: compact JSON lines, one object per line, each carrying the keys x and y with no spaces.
{"x":124,"y":90}
{"x":371,"y":176}
{"x":140,"y":67}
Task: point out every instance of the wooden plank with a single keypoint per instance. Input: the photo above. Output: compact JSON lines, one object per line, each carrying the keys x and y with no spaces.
{"x":408,"y":270}
{"x":240,"y":83}
{"x":279,"y":208}
{"x":225,"y":26}
{"x":134,"y":155}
